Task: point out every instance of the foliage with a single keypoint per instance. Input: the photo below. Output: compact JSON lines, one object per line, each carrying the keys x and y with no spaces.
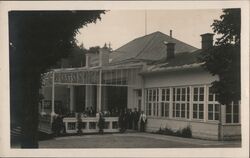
{"x":224,"y":59}
{"x":38,"y":39}
{"x":94,"y":49}
{"x":185,"y":132}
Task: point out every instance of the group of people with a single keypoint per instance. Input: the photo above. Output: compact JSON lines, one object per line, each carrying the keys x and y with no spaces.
{"x":89,"y":112}
{"x":129,"y":119}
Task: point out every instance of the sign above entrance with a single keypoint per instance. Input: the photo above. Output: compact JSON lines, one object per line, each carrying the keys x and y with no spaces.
{"x":106,"y":77}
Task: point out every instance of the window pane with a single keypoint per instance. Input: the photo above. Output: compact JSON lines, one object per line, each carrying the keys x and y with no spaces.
{"x":166,"y":109}
{"x":154,"y":108}
{"x":157,"y":109}
{"x":182,"y":110}
{"x":183,"y":114}
{"x":195,"y":97}
{"x":177,"y":106}
{"x":228,"y":118}
{"x":210,"y":107}
{"x":201,"y":90}
{"x":167,"y":98}
{"x":173,"y":94}
{"x":200,"y":107}
{"x":195,"y":107}
{"x":236,"y":109}
{"x":216,"y":115}
{"x":149,"y":109}
{"x":210,"y":116}
{"x":216,"y":107}
{"x":177,"y":110}
{"x":236,"y":118}
{"x":229,"y":109}
{"x":183,"y":97}
{"x":178,"y":97}
{"x":163,"y":96}
{"x":177,"y":113}
{"x":211,"y":97}
{"x":201,"y":98}
{"x":167,"y":91}
{"x":173,"y":109}
{"x":162,"y":109}
{"x":178,"y":91}
{"x":183,"y":94}
{"x":194,"y":114}
{"x":200,"y":115}
{"x":157,"y":94}
{"x":195,"y":90}
{"x":216,"y":97}
{"x":183,"y":106}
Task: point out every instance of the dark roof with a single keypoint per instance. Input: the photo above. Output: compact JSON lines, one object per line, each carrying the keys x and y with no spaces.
{"x":150,"y":47}
{"x":181,"y":60}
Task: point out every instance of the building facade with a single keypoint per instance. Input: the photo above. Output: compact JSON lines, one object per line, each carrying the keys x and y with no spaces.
{"x":155,"y":73}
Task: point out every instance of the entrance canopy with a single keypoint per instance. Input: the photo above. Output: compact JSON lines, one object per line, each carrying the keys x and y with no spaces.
{"x":116,"y":75}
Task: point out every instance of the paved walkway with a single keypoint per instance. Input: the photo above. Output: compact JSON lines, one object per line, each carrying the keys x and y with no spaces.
{"x":133,"y":140}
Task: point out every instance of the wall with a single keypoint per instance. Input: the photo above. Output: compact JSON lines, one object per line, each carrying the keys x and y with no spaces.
{"x":195,"y":76}
{"x":204,"y":130}
{"x":188,"y":77}
{"x":134,"y":82}
{"x":231,"y":131}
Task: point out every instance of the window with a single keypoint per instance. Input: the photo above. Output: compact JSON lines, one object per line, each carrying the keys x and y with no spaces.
{"x":198,"y":102}
{"x":198,"y":110}
{"x":232,"y":113}
{"x":152,"y":106}
{"x":181,"y":99}
{"x":165,"y":102}
{"x":213,"y":111}
{"x":213,"y":105}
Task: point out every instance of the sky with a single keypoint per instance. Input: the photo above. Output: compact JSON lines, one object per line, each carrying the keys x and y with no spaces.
{"x":118,"y":27}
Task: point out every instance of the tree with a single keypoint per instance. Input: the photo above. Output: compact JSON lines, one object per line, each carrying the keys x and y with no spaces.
{"x":224,"y":58}
{"x":94,"y":49}
{"x":38,"y":39}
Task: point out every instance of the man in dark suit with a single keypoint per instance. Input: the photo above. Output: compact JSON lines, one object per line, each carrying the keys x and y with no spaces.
{"x":136,"y":117}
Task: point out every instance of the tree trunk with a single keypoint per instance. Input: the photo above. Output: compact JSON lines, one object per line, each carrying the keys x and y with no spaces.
{"x":30,"y":90}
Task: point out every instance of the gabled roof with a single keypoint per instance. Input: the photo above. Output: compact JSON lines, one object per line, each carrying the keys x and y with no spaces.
{"x":150,"y":48}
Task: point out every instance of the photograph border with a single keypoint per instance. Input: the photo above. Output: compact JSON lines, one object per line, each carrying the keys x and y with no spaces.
{"x":6,"y":150}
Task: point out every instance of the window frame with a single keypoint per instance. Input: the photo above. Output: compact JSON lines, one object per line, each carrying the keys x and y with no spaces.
{"x":198,"y":102}
{"x":214,"y":102}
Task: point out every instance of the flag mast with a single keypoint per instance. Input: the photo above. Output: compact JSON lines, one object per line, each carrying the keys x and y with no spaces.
{"x":145,"y":22}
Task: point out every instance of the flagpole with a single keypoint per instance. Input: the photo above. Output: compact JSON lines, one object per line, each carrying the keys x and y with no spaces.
{"x":145,"y":22}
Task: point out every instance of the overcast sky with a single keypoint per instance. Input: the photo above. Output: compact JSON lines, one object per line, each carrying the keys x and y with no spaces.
{"x":121,"y":26}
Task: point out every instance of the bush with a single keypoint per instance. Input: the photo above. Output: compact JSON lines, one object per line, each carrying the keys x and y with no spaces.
{"x":185,"y":132}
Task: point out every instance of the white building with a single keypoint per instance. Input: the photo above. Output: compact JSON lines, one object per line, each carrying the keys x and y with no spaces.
{"x":154,"y":73}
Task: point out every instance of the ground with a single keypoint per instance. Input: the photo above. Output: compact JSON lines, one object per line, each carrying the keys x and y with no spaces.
{"x":132,"y":140}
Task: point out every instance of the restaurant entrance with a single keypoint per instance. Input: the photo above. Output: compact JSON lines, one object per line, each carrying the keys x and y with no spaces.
{"x":117,"y":98}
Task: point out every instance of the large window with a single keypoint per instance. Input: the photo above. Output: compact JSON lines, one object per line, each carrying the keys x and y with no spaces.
{"x":152,"y":102}
{"x":181,"y":97}
{"x":159,"y":101}
{"x":165,"y":102}
{"x":213,"y":105}
{"x":232,"y":113}
{"x":198,"y":102}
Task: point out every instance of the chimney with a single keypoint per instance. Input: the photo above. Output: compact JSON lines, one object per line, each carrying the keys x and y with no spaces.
{"x":207,"y":40}
{"x":170,"y":49}
{"x":170,"y":33}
